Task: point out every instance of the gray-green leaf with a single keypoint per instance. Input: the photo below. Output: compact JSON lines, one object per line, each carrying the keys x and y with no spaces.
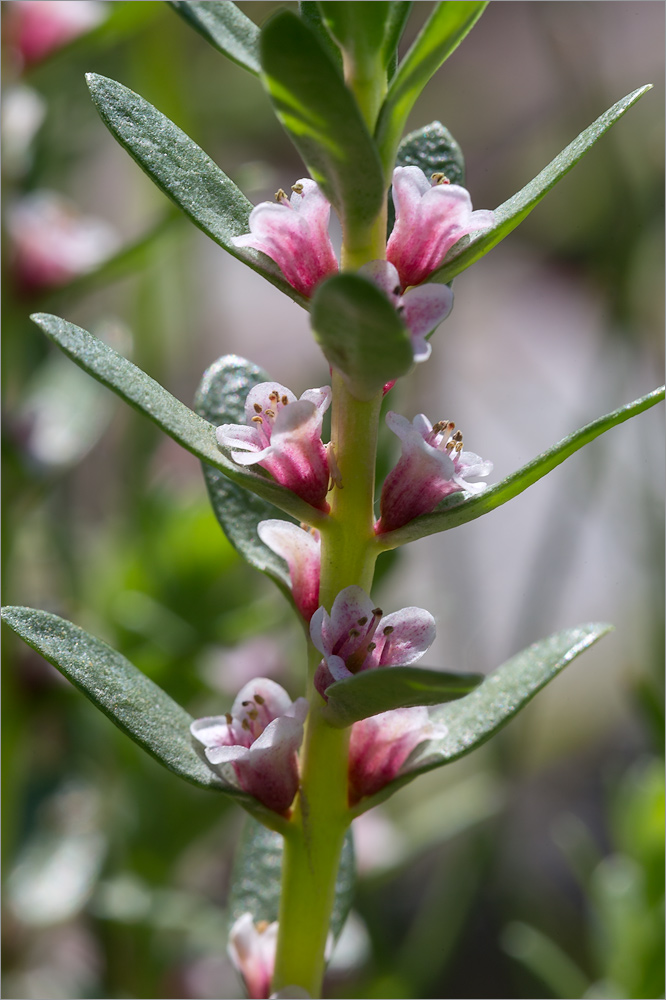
{"x":256,"y":877}
{"x":460,"y":508}
{"x":220,"y":399}
{"x":373,"y":691}
{"x":184,"y":172}
{"x":321,"y":118}
{"x":134,"y":703}
{"x":474,"y":719}
{"x":226,"y":27}
{"x":360,"y":333}
{"x":154,"y":401}
{"x":440,"y":36}
{"x":512,"y":212}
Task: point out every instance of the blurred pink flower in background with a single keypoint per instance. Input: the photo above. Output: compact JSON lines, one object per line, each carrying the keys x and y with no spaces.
{"x":36,"y":28}
{"x":51,"y":242}
{"x":252,"y":949}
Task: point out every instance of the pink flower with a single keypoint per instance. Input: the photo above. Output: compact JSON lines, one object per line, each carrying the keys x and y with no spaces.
{"x":294,"y":233}
{"x":432,"y":466}
{"x":429,"y":220}
{"x":252,"y":949}
{"x":283,"y":435}
{"x":379,"y":747}
{"x":260,"y":739}
{"x":422,"y":309}
{"x":301,"y":549}
{"x":38,"y":28}
{"x":52,"y":242}
{"x":356,"y":636}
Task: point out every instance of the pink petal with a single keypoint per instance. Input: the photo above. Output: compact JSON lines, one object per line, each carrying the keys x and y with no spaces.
{"x":413,"y":633}
{"x":302,"y":552}
{"x":380,"y":745}
{"x":252,"y":952}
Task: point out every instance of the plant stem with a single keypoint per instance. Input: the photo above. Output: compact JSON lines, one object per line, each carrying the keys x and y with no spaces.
{"x":321,"y":816}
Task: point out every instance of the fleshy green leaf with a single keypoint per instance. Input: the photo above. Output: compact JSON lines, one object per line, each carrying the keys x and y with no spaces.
{"x":439,"y":37}
{"x":397,"y":19}
{"x":322,"y":118}
{"x":360,"y":333}
{"x":154,"y":401}
{"x":311,"y":14}
{"x":256,"y":877}
{"x":512,"y":212}
{"x":434,"y":150}
{"x":226,"y":27}
{"x":134,"y":703}
{"x":184,"y":172}
{"x":459,"y":508}
{"x":373,"y":691}
{"x":359,"y":28}
{"x":474,"y":719}
{"x":220,"y":399}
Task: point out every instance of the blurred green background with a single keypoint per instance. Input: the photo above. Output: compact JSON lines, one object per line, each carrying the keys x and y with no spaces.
{"x":533,"y":868}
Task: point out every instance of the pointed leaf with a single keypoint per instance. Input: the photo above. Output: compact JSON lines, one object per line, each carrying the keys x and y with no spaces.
{"x":512,"y":212}
{"x":460,"y":508}
{"x":226,"y":27}
{"x":359,"y":28}
{"x":184,"y":172}
{"x":439,"y":37}
{"x":256,"y":877}
{"x":474,"y":719}
{"x":134,"y":703}
{"x":309,"y":11}
{"x":373,"y":691}
{"x":321,"y":118}
{"x":360,"y":333}
{"x":154,"y":401}
{"x":397,"y":20}
{"x":220,"y":399}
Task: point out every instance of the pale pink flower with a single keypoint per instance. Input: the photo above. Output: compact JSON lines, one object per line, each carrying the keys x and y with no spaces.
{"x":301,"y":550}
{"x":422,"y":309}
{"x":283,"y":435}
{"x":52,"y":242}
{"x":357,"y":636}
{"x":380,"y":745}
{"x":429,"y":220}
{"x":38,"y":27}
{"x":259,"y":739}
{"x":432,"y":466}
{"x":252,"y":949}
{"x":294,"y":233}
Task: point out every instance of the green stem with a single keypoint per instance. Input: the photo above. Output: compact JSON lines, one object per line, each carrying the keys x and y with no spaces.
{"x":321,"y":816}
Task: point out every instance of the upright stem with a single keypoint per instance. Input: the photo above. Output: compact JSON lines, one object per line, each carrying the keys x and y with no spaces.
{"x":321,"y":817}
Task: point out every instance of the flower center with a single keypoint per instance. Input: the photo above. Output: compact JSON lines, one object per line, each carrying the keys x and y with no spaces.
{"x":355,"y":647}
{"x":251,"y":721}
{"x":264,"y":418}
{"x":442,"y":438}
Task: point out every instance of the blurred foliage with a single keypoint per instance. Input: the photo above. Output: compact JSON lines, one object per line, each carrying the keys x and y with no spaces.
{"x":491,"y":880}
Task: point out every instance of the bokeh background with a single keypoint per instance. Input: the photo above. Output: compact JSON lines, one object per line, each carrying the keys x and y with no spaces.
{"x":533,"y":867}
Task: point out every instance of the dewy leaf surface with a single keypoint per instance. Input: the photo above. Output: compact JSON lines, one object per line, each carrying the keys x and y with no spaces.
{"x":460,"y":508}
{"x":184,"y":172}
{"x":256,"y":877}
{"x":474,"y":719}
{"x":321,"y":118}
{"x":133,"y":702}
{"x":220,"y":399}
{"x":439,"y":37}
{"x":226,"y":27}
{"x":360,"y":333}
{"x":385,"y":688}
{"x":512,"y":212}
{"x":154,"y":401}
